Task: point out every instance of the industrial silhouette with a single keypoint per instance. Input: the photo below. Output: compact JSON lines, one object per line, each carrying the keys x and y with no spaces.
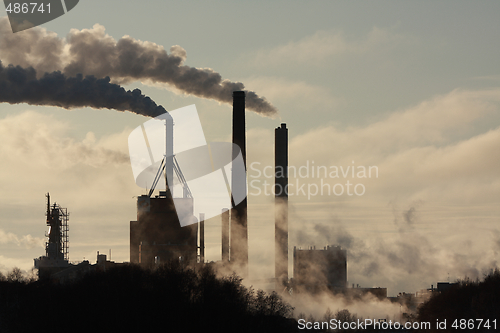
{"x":157,"y":237}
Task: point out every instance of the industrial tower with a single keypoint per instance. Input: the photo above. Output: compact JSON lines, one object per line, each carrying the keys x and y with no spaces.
{"x":56,"y":249}
{"x":157,"y":235}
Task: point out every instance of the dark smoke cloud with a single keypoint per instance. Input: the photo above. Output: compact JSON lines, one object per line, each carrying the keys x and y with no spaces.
{"x":20,"y":85}
{"x":93,"y":52}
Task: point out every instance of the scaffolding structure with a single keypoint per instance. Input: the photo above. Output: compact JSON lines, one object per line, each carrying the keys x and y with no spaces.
{"x":64,"y":216}
{"x":57,"y":220}
{"x":57,"y":247}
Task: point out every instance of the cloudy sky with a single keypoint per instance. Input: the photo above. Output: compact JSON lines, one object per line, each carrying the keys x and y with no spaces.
{"x":410,"y":88}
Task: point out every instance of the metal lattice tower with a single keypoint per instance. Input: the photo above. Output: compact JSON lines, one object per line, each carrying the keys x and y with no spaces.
{"x":57,"y":220}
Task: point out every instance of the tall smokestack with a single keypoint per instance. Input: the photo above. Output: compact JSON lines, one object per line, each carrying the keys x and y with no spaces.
{"x":202,"y":238}
{"x":225,"y":235}
{"x":281,"y":204}
{"x":239,"y":232}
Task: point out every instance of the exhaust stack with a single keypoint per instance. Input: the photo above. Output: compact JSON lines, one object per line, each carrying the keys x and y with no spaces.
{"x":169,"y":155}
{"x":239,"y":232}
{"x":225,"y":235}
{"x":281,"y":205}
{"x":202,"y":238}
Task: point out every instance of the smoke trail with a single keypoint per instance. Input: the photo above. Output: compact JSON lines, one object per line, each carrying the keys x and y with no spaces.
{"x":19,"y":85}
{"x":93,"y":52}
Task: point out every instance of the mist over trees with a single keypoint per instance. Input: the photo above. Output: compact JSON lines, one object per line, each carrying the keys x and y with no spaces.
{"x":169,"y":298}
{"x":175,"y":298}
{"x":476,"y":300}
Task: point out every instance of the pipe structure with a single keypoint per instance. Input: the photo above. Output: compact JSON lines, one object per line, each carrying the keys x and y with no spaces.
{"x":281,"y":205}
{"x":225,"y":235}
{"x":202,"y":238}
{"x":239,"y":232}
{"x":169,"y":155}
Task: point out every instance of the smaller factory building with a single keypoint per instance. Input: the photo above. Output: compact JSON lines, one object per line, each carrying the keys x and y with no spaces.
{"x":317,"y":270}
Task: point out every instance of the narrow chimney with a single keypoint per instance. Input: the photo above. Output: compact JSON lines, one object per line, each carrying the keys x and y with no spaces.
{"x":239,"y":232}
{"x":169,"y":154}
{"x":202,"y":238}
{"x":225,"y":235}
{"x":281,"y":204}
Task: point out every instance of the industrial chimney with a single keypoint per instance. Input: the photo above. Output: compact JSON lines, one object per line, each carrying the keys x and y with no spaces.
{"x":239,"y":232}
{"x":225,"y":235}
{"x":202,"y":238}
{"x":169,"y":155}
{"x":281,"y":205}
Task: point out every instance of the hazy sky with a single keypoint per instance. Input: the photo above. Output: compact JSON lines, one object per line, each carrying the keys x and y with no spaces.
{"x":412,"y":88}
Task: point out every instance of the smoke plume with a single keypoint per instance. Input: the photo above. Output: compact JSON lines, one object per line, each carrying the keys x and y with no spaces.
{"x":93,"y":52}
{"x":20,"y":85}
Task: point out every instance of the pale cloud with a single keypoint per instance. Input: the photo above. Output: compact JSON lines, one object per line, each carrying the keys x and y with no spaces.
{"x":25,"y":241}
{"x":415,"y":151}
{"x":434,"y":122}
{"x":323,"y":46}
{"x":30,"y":136}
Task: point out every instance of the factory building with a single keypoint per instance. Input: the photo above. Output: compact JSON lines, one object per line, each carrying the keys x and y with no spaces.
{"x":319,"y":270}
{"x":157,"y":235}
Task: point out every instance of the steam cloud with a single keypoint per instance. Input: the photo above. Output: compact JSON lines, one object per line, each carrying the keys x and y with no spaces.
{"x":93,"y":52}
{"x":26,"y":241}
{"x":407,"y":254}
{"x":19,"y":85}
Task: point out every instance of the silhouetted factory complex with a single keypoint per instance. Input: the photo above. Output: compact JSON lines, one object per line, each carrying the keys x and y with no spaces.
{"x":156,"y":236}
